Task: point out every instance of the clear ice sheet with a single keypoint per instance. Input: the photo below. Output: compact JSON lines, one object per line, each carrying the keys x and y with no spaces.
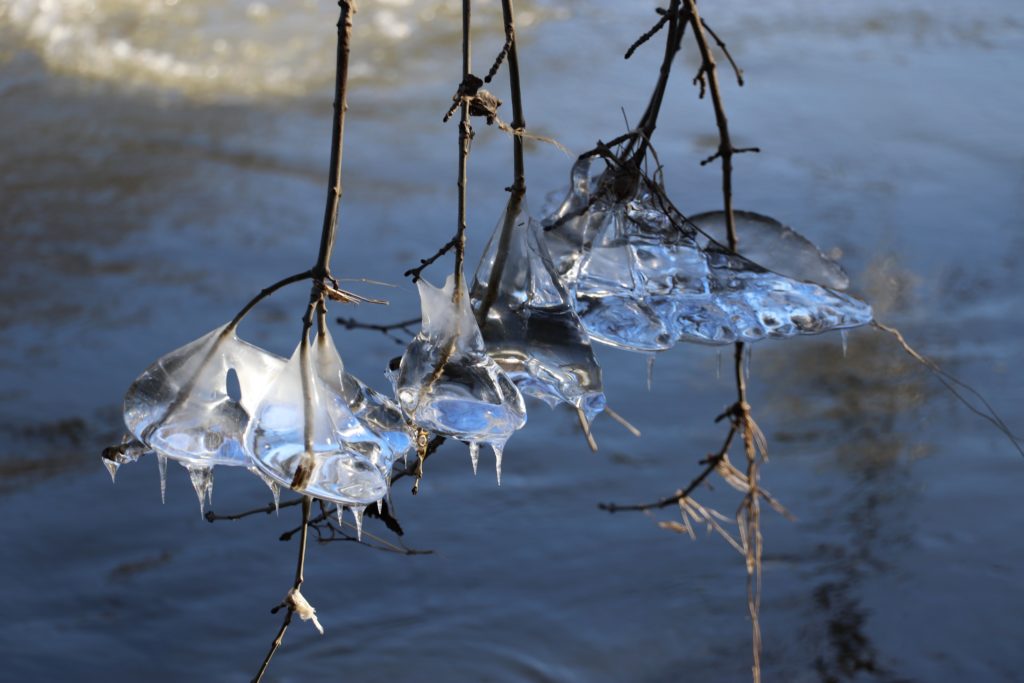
{"x":447,"y":384}
{"x":532,"y":329}
{"x":181,"y":408}
{"x":642,"y":281}
{"x":341,"y":465}
{"x":775,"y":246}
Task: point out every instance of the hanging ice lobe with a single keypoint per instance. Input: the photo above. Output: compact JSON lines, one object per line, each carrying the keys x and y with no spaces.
{"x":379,"y":417}
{"x":775,"y":246}
{"x":447,"y":384}
{"x":304,"y":438}
{"x":182,"y":407}
{"x":644,"y":278}
{"x":531,"y":328}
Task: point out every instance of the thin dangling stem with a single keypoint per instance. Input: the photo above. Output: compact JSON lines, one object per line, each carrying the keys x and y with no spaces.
{"x":465,"y":135}
{"x":749,"y":516}
{"x":649,"y":120}
{"x":518,"y":188}
{"x":322,"y":269}
{"x":296,"y":585}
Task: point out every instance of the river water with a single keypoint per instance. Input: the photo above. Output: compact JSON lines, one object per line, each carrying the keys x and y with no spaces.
{"x":162,"y":160}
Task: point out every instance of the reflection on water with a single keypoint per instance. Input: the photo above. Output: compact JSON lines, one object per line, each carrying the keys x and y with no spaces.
{"x":217,"y":49}
{"x":161,"y":161}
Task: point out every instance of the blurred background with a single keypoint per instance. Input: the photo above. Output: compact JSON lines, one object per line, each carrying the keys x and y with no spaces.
{"x":162,"y":160}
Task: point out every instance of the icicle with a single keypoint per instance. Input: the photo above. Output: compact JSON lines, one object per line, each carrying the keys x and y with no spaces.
{"x":339,"y":510}
{"x":112,"y":466}
{"x":718,"y":365}
{"x":161,"y":461}
{"x":498,"y":450}
{"x":844,"y":335}
{"x":357,"y":512}
{"x":746,"y":362}
{"x":474,"y":454}
{"x":275,"y":488}
{"x":380,"y":506}
{"x":202,"y":482}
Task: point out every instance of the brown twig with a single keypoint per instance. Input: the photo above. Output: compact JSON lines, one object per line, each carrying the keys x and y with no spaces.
{"x":296,"y":585}
{"x":518,"y":187}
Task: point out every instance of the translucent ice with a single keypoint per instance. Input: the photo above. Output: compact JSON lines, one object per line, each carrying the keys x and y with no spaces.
{"x":447,"y":384}
{"x":304,"y":437}
{"x":181,"y":406}
{"x":643,"y":278}
{"x":531,"y":328}
{"x":378,"y":415}
{"x":758,"y":303}
{"x":127,"y":452}
{"x":775,"y":246}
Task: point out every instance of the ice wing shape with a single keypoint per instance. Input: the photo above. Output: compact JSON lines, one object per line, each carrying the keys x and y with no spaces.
{"x":181,"y":406}
{"x":378,"y":415}
{"x":531,"y":328}
{"x":447,"y":384}
{"x":775,"y":246}
{"x":759,"y":303}
{"x":305,"y":438}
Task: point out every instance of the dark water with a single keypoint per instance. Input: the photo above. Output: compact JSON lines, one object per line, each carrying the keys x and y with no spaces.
{"x":152,"y":179}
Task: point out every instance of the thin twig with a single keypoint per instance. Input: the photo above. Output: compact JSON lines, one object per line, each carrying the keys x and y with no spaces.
{"x":296,"y":585}
{"x":416,"y":272}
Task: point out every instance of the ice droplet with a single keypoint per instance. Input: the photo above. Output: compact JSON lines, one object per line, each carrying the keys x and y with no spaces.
{"x":202,"y":482}
{"x":161,"y":463}
{"x":844,"y":335}
{"x":528,"y":319}
{"x":474,"y":454}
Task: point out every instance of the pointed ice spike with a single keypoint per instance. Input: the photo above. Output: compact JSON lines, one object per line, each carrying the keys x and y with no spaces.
{"x":843,"y":334}
{"x":650,"y":371}
{"x":339,"y":512}
{"x":202,"y":482}
{"x":161,"y":462}
{"x":380,"y":506}
{"x":275,"y":490}
{"x":357,"y":512}
{"x":112,"y":467}
{"x":498,"y":449}
{"x":718,"y":365}
{"x":474,"y":455}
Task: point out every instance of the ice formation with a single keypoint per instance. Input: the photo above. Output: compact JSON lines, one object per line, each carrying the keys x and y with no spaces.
{"x":447,"y":384}
{"x":183,"y":407}
{"x":304,"y":436}
{"x":643,"y":278}
{"x":774,"y":246}
{"x":349,"y":396}
{"x":531,"y":328}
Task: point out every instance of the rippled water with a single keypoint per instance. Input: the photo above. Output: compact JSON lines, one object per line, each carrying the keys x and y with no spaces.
{"x":162,"y":161}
